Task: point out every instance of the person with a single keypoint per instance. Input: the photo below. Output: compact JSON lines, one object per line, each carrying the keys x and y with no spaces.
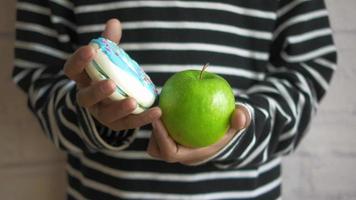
{"x":278,"y":56}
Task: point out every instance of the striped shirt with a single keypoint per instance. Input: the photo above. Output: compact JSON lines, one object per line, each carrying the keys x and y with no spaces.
{"x":278,"y":55}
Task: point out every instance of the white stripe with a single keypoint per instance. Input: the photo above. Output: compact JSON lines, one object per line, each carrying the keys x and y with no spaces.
{"x":51,"y":107}
{"x":32,"y":89}
{"x":289,"y":7}
{"x":18,"y":77}
{"x":325,"y":63}
{"x":316,"y":75}
{"x":279,"y":108}
{"x":182,"y":25}
{"x":85,"y":138}
{"x":42,"y":30}
{"x":309,"y":55}
{"x":130,"y":155}
{"x":61,"y":20}
{"x":45,"y":11}
{"x":226,"y":70}
{"x":70,"y":104}
{"x":235,"y":144}
{"x":65,"y":3}
{"x":300,"y":18}
{"x":39,"y":93}
{"x":256,"y":152}
{"x":75,"y":193}
{"x":42,"y":49}
{"x":251,"y":113}
{"x":285,"y":151}
{"x":231,"y":145}
{"x":265,"y":155}
{"x":27,"y":64}
{"x":294,"y":129}
{"x":195,"y":47}
{"x":144,"y":134}
{"x":146,"y":195}
{"x":302,"y":84}
{"x":159,"y":176}
{"x":261,"y":88}
{"x":43,"y":122}
{"x":70,"y":125}
{"x":199,"y":25}
{"x":33,"y":8}
{"x":248,"y":148}
{"x":93,"y":28}
{"x":309,"y":35}
{"x":284,"y":93}
{"x":109,"y":149}
{"x":36,"y":28}
{"x":56,"y":133}
{"x":263,"y":110}
{"x":272,"y":112}
{"x":178,"y":4}
{"x":65,"y":88}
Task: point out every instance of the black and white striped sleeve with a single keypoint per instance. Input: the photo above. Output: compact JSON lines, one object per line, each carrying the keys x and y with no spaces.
{"x":302,"y":62}
{"x":45,"y":37}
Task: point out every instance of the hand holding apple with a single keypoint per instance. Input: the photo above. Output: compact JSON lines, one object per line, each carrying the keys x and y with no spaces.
{"x":163,"y":147}
{"x":196,"y":107}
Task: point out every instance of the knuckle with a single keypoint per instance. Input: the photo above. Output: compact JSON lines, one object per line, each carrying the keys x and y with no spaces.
{"x":123,"y":106}
{"x":101,"y":116}
{"x":94,"y":93}
{"x":134,"y":122}
{"x":67,"y":69}
{"x":168,"y":157}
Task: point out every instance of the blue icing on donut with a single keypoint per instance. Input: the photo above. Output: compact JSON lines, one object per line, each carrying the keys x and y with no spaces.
{"x":121,"y":59}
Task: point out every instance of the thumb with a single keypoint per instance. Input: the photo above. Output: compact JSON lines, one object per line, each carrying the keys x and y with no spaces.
{"x":113,"y":30}
{"x":240,"y":118}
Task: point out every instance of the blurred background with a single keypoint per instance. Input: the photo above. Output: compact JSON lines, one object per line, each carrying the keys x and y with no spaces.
{"x":321,"y":169}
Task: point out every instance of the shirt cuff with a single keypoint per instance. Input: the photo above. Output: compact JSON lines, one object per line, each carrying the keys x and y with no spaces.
{"x":98,"y":137}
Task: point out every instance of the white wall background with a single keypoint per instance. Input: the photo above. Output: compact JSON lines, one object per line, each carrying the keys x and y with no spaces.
{"x":323,"y":168}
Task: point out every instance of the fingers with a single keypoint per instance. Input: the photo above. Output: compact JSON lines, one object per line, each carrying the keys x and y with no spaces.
{"x":134,"y":121}
{"x":168,"y":148}
{"x":108,"y":113}
{"x":75,"y":65}
{"x":113,"y":30}
{"x":153,"y":149}
{"x":95,"y":93}
{"x":240,"y":118}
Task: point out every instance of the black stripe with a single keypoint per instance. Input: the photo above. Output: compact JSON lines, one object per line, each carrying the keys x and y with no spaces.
{"x":177,"y":14}
{"x":216,"y":185}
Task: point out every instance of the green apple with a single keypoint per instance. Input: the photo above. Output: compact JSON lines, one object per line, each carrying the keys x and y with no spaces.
{"x":196,"y":107}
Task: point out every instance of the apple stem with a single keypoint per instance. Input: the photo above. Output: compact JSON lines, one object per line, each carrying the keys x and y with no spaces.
{"x":204,"y":68}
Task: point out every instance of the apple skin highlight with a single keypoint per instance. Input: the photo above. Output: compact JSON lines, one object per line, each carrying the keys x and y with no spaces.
{"x":196,"y":107}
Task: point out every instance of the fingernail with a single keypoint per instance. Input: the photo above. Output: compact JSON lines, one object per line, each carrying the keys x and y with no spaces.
{"x":154,"y":125}
{"x":244,"y":121}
